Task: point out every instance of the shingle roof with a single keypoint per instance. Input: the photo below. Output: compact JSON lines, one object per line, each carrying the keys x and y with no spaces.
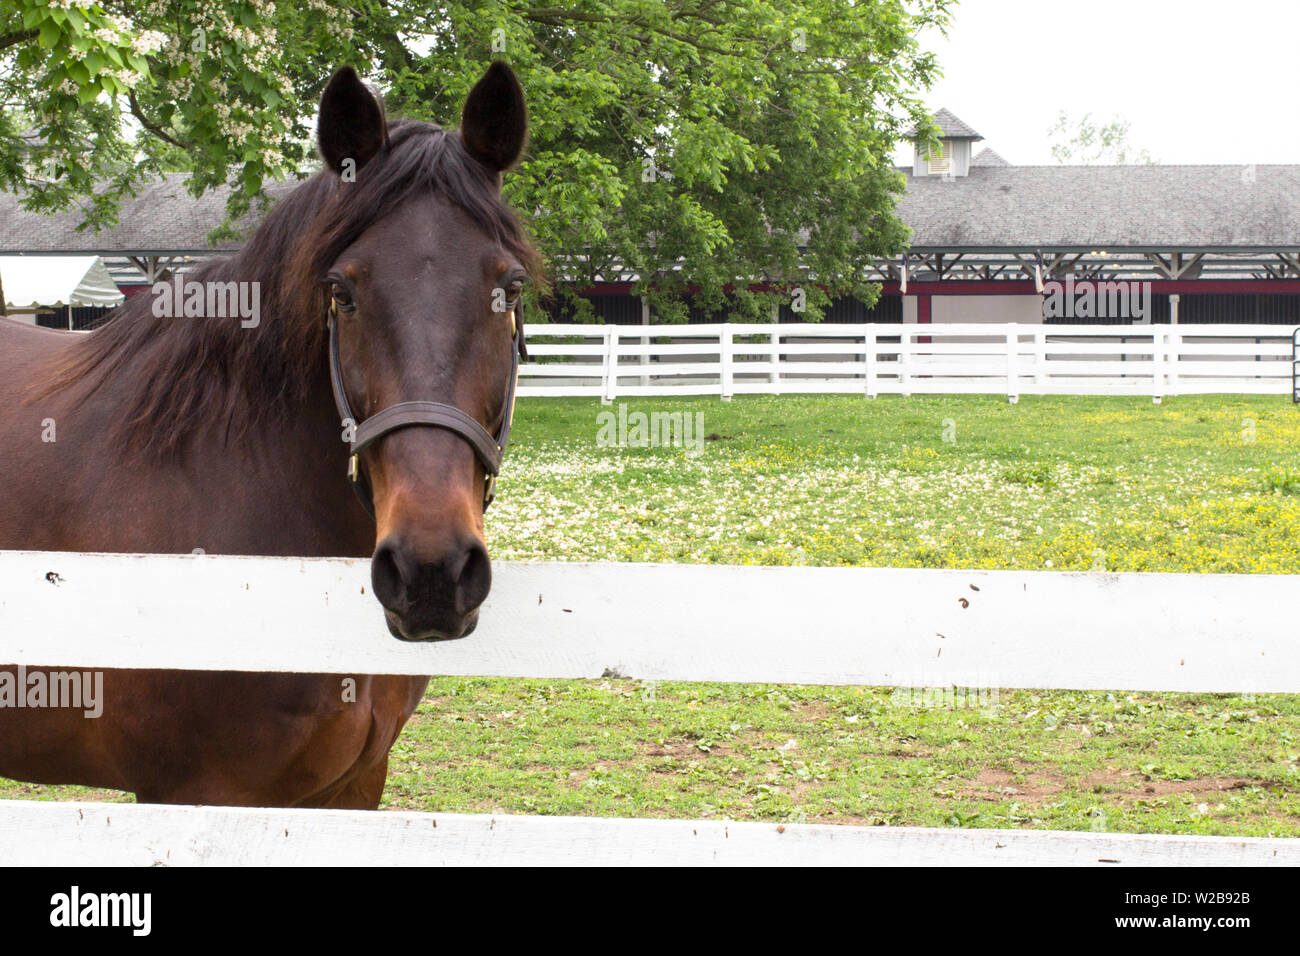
{"x":987,"y":157}
{"x":1093,"y":207}
{"x":950,"y":127}
{"x":1105,"y":207}
{"x":164,"y":218}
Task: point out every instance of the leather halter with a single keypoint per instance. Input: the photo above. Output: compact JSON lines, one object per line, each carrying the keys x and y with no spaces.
{"x":487,"y":447}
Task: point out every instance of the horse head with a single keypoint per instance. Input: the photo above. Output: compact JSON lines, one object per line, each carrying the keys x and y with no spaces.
{"x":420,"y":268}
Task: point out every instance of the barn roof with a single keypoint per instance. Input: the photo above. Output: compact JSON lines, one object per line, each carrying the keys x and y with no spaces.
{"x":162,"y":219}
{"x":987,"y":157}
{"x":1105,"y":207}
{"x":950,"y":127}
{"x":1240,"y":220}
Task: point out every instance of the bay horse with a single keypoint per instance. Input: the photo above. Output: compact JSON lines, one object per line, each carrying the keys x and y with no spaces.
{"x":176,"y":434}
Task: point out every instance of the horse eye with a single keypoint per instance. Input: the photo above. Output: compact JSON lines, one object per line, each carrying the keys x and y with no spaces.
{"x":342,"y":297}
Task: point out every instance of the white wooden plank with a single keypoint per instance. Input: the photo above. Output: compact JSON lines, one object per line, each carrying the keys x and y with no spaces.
{"x":712,"y":369}
{"x":867,"y":626}
{"x":564,"y":370}
{"x":99,"y":834}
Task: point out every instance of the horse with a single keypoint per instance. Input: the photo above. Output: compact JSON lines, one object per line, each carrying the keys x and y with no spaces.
{"x":399,"y":268}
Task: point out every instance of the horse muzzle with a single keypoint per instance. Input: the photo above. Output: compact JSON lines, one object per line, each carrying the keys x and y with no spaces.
{"x":431,"y":598}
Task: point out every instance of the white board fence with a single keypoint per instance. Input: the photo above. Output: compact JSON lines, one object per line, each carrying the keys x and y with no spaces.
{"x":612,"y":361}
{"x":893,"y":627}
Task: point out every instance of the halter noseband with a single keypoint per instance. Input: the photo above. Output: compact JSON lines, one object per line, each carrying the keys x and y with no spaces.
{"x":487,"y":447}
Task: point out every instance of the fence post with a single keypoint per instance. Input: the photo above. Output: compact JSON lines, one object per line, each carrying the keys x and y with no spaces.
{"x":871,"y":361}
{"x":645,"y":341}
{"x":1295,"y":367}
{"x":1040,"y":358}
{"x":1171,"y":357}
{"x":610,"y":382}
{"x":1157,"y":365}
{"x":776,"y":360}
{"x":904,"y":355}
{"x":724,"y":348}
{"x":1013,"y":374}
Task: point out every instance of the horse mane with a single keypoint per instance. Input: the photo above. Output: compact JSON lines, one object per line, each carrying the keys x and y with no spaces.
{"x":183,"y":373}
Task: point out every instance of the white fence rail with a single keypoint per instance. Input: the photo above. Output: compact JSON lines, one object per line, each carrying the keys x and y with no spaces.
{"x":611,"y":361}
{"x":897,"y":627}
{"x":115,"y":834}
{"x":892,"y":627}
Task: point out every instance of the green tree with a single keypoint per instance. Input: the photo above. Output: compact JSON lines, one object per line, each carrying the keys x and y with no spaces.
{"x":694,"y":143}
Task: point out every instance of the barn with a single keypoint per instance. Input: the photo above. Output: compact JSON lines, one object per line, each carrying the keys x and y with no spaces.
{"x":991,"y":242}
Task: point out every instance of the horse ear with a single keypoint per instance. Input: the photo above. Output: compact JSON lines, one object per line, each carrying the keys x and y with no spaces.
{"x":351,"y":124}
{"x":494,"y":123}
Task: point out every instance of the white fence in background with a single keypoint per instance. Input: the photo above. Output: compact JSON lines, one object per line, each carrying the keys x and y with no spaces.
{"x":910,"y":629}
{"x":612,"y":361}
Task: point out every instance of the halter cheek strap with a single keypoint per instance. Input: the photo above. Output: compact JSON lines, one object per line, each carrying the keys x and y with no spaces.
{"x":487,"y":447}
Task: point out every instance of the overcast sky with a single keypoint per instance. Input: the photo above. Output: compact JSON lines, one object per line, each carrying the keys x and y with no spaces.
{"x":1199,"y":82}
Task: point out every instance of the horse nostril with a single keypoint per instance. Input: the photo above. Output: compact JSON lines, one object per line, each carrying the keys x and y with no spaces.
{"x":475,"y":578}
{"x":386,"y":576}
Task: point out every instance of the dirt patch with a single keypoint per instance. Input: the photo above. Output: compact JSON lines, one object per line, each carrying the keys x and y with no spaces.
{"x":817,"y":709}
{"x":996,"y":785}
{"x":688,"y":750}
{"x":906,"y":751}
{"x":1197,"y":785}
{"x":1036,"y":788}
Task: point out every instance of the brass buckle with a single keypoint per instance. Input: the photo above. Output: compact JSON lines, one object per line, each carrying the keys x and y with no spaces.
{"x":353,"y":468}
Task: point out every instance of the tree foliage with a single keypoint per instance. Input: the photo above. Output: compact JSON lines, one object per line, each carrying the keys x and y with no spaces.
{"x":694,"y":144}
{"x":1085,"y":143}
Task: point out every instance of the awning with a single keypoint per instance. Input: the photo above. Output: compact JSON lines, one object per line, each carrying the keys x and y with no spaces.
{"x":31,"y":282}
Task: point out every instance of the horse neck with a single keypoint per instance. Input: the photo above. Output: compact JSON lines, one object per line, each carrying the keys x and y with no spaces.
{"x":308,"y":447}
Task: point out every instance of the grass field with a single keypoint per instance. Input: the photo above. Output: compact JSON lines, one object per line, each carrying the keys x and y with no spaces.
{"x":1199,"y":484}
